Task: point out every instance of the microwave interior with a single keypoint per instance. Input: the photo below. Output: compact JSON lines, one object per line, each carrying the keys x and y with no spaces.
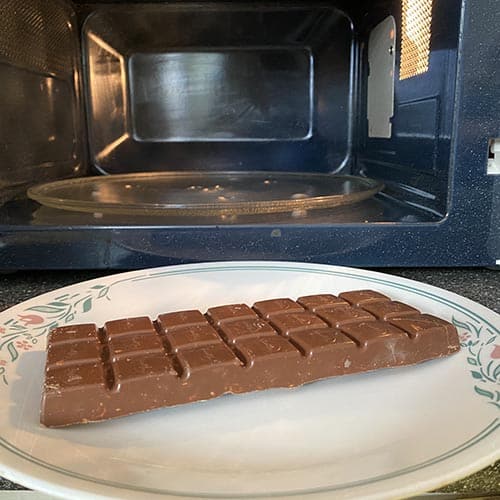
{"x":353,"y":90}
{"x":360,"y":88}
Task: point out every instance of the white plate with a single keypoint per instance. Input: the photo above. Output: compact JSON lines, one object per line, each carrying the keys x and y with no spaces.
{"x":385,"y":434}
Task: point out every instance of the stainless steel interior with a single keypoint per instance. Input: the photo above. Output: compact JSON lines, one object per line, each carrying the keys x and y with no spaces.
{"x":244,"y":88}
{"x":40,"y":119}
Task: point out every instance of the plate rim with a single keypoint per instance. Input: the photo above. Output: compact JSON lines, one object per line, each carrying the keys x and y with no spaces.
{"x":287,"y":266}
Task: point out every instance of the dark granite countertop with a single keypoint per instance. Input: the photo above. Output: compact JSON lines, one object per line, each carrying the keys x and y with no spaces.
{"x":480,"y":285}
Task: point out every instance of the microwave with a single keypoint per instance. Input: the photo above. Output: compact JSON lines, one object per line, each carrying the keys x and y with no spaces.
{"x":398,"y":99}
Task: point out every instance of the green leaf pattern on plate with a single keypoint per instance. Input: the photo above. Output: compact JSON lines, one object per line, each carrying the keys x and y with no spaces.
{"x":483,"y":357}
{"x":21,"y":333}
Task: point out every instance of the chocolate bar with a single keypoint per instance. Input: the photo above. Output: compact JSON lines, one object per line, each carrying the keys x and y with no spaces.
{"x":135,"y":365}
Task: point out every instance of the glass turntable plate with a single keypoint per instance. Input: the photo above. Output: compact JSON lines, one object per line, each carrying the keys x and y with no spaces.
{"x":204,"y":193}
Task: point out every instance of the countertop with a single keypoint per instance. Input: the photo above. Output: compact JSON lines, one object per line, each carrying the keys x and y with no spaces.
{"x":480,"y":285}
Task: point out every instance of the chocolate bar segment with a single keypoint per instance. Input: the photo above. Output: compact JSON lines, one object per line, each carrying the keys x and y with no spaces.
{"x":225,"y":314}
{"x":343,"y":315}
{"x":266,"y":359}
{"x":72,"y":334}
{"x":133,"y":365}
{"x":135,"y":345}
{"x":77,"y":353}
{"x":191,"y":336}
{"x":129,"y":327}
{"x":205,"y":359}
{"x":285,"y":324}
{"x":363,"y":297}
{"x":429,"y":333}
{"x":274,"y":307}
{"x":317,"y":303}
{"x":238,"y":330}
{"x":316,"y":341}
{"x":181,"y":319}
{"x":328,"y":349}
{"x":77,"y":377}
{"x":262,"y":349}
{"x":386,"y":310}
